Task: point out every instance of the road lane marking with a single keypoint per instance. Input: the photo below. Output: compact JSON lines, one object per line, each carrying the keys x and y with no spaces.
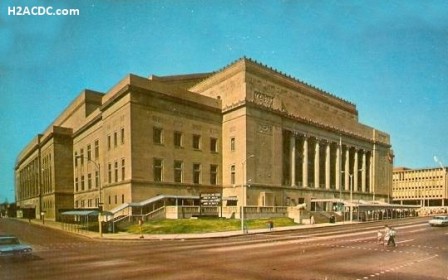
{"x":392,"y":269}
{"x":417,"y":230}
{"x":404,"y":241}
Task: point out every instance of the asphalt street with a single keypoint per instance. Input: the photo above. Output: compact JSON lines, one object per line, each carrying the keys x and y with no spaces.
{"x":342,"y":252}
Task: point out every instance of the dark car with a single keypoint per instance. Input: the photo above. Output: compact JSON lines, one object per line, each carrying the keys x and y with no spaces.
{"x":11,"y":247}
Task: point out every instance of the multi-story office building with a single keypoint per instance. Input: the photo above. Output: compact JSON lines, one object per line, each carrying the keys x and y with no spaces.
{"x":246,"y":125}
{"x":427,"y":187}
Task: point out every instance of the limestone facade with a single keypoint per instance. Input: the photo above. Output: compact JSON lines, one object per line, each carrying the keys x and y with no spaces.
{"x":427,"y":187}
{"x":248,"y":125}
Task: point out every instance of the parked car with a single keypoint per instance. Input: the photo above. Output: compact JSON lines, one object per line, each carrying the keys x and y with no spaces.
{"x":439,"y":221}
{"x":11,"y":247}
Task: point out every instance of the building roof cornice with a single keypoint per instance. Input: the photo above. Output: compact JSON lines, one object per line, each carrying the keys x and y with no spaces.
{"x":303,"y":120}
{"x":252,"y":66}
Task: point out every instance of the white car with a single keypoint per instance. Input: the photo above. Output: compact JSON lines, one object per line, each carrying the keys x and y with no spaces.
{"x":439,"y":221}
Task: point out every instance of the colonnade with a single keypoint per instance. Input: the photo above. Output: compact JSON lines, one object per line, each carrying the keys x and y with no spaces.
{"x":326,"y":164}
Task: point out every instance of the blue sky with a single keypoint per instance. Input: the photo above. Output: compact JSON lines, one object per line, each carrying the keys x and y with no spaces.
{"x":390,"y":58}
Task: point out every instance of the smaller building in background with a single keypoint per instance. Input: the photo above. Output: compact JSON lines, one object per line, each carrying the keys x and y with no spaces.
{"x":427,"y":187}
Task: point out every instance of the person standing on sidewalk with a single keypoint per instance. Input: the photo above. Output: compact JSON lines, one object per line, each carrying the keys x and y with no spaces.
{"x":386,"y":235}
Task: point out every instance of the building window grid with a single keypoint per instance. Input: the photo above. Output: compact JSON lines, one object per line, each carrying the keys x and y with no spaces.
{"x":232,"y":175}
{"x":89,"y":152}
{"x":109,"y":173}
{"x":157,"y":135}
{"x":178,"y":171}
{"x":213,"y":174}
{"x":123,"y":169}
{"x":196,"y":141}
{"x":213,"y":145}
{"x":178,"y":137}
{"x":158,"y":169}
{"x":116,"y":171}
{"x":82,"y":183}
{"x":89,"y":181}
{"x":196,"y":173}
{"x":97,"y":149}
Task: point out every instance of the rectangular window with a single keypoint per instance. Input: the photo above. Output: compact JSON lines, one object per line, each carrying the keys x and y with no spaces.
{"x":97,"y":149}
{"x":178,"y":166}
{"x":122,"y":135}
{"x":232,"y":174}
{"x":122,"y":198}
{"x":89,"y":152}
{"x":157,"y":170}
{"x":232,"y":144}
{"x":82,"y":182}
{"x":177,"y":139}
{"x":81,"y":156}
{"x":116,"y":171}
{"x":109,"y":173}
{"x":213,"y":145}
{"x":109,"y":144}
{"x":196,"y":173}
{"x":123,"y":169}
{"x":196,"y":142}
{"x":76,"y":159}
{"x":89,"y":181}
{"x":157,"y":135}
{"x":115,"y":139}
{"x":76,"y":184}
{"x":213,"y":174}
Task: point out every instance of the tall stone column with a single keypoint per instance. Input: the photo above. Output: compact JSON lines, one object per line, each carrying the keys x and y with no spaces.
{"x":292,"y":146}
{"x":305,"y":162}
{"x":327,"y":166}
{"x":355,"y":172}
{"x":347,"y":169}
{"x":316,"y":164}
{"x":338,"y":167}
{"x":363,"y":174}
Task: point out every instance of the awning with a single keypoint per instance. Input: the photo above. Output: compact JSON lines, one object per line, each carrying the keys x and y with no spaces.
{"x":86,"y":213}
{"x":367,"y":205}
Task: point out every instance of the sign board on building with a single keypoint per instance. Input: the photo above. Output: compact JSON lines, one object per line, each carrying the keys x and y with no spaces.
{"x":210,"y":199}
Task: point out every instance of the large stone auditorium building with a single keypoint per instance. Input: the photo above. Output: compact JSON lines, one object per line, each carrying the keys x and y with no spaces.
{"x":256,"y":135}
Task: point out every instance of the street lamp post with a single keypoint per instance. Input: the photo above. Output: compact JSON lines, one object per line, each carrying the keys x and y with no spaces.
{"x":100,"y":206}
{"x":243,"y":186}
{"x":351,"y":195}
{"x":351,"y":198}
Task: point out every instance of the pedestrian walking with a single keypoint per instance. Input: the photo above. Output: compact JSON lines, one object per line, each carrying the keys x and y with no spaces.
{"x":312,"y":220}
{"x":386,"y":235}
{"x":392,"y":234}
{"x":379,"y":237}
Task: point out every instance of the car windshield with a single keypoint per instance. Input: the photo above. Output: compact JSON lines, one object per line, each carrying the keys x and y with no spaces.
{"x":9,"y":241}
{"x":440,"y":218}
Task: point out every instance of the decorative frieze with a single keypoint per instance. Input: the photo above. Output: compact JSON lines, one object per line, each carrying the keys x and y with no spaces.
{"x":264,"y":99}
{"x":264,"y":128}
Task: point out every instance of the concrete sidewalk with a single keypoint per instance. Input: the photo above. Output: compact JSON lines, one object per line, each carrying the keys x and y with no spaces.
{"x":133,"y":236}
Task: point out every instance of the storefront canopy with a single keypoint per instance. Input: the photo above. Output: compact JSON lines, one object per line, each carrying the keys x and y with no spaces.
{"x":86,"y":213}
